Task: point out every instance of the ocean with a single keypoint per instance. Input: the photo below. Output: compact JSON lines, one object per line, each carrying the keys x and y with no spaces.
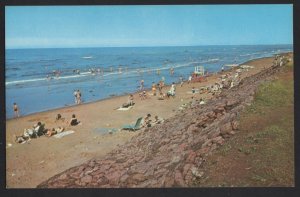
{"x":43,"y":79}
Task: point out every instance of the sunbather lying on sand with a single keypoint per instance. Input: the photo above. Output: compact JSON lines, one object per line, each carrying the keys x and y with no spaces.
{"x":37,"y":130}
{"x":21,"y":139}
{"x":54,"y":131}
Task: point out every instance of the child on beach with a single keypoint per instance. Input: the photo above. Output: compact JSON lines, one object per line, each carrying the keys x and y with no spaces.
{"x":16,"y":110}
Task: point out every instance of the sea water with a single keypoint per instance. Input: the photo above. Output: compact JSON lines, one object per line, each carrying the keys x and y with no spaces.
{"x":33,"y":82}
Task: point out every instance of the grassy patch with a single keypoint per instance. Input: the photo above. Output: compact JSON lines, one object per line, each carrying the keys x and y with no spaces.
{"x":277,"y":93}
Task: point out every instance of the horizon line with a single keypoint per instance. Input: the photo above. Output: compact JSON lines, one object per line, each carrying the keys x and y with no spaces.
{"x":146,"y":46}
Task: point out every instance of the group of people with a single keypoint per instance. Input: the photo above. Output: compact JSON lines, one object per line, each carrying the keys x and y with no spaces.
{"x":39,"y":129}
{"x":156,"y":88}
{"x":280,"y":60}
{"x":148,"y":122}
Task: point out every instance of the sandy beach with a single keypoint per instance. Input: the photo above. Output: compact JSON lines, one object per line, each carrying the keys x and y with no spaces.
{"x":30,"y":163}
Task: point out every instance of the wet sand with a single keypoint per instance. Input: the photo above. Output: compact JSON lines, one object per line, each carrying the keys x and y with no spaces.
{"x":37,"y":160}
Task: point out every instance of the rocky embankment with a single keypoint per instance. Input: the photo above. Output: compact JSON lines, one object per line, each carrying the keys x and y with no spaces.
{"x":170,"y":154}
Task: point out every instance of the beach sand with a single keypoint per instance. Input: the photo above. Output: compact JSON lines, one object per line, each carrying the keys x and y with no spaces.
{"x":37,"y":160}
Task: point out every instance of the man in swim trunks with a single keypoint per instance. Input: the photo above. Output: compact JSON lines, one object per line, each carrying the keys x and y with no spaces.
{"x":16,"y":110}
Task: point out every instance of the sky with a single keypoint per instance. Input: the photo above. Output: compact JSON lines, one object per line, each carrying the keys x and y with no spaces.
{"x":161,"y":25}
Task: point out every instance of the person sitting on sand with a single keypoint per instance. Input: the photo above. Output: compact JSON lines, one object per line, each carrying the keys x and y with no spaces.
{"x":129,"y":102}
{"x":59,"y":117}
{"x":172,"y":90}
{"x":161,"y":96}
{"x":73,"y":121}
{"x":158,"y":120}
{"x":146,"y":121}
{"x":201,"y":101}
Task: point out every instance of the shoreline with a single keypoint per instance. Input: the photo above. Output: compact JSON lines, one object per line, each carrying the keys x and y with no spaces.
{"x":54,"y":155}
{"x":136,"y":92}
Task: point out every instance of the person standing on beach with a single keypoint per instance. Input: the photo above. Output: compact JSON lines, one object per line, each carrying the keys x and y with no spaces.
{"x":142,"y":84}
{"x":16,"y":110}
{"x":153,"y":89}
{"x":190,"y":79}
{"x":222,"y":68}
{"x":78,"y":95}
{"x":181,"y":81}
{"x":163,"y":81}
{"x":171,"y":71}
{"x":75,"y":96}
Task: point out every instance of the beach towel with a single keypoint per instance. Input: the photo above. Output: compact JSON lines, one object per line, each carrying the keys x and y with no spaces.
{"x":64,"y":133}
{"x":105,"y":130}
{"x":124,"y":108}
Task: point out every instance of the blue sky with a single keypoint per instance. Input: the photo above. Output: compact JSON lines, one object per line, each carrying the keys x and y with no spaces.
{"x":170,"y":25}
